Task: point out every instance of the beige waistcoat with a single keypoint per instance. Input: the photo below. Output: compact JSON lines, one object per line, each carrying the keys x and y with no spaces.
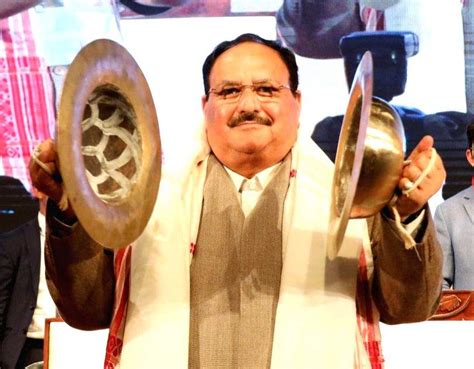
{"x":235,"y":274}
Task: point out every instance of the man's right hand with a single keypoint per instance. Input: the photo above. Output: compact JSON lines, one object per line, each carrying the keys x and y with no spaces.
{"x":48,"y":181}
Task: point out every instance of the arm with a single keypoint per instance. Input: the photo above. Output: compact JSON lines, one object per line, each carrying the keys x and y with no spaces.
{"x":11,"y":7}
{"x":406,"y":287}
{"x":407,"y":283}
{"x":79,"y":274}
{"x":445,"y":241}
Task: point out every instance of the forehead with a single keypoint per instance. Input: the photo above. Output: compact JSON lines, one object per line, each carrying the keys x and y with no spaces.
{"x":248,"y":62}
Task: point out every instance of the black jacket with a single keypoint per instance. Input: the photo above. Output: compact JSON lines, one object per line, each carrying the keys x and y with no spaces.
{"x":20,"y":252}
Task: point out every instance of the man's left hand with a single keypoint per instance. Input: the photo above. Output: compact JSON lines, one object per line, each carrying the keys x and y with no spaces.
{"x":419,"y":159}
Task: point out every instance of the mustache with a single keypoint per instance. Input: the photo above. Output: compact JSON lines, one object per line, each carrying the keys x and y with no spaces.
{"x":246,"y":116}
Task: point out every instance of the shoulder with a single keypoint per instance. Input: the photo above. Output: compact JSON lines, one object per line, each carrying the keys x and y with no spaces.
{"x":456,"y":199}
{"x":465,"y":194}
{"x":20,"y":241}
{"x":311,"y":157}
{"x":17,"y":233}
{"x":309,"y":149}
{"x":313,"y":170}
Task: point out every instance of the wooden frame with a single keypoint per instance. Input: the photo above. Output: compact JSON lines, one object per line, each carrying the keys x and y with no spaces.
{"x":47,"y":328}
{"x":92,"y":346}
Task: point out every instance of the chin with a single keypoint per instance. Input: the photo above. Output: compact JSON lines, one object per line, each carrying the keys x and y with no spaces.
{"x":249,"y":148}
{"x":251,"y":139}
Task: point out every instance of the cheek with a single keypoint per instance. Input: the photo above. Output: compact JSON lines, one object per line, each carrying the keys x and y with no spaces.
{"x":286,"y":119}
{"x":216,"y":116}
{"x":216,"y":121}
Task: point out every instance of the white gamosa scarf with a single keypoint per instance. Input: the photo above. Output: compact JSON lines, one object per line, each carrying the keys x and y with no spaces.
{"x":325,"y":316}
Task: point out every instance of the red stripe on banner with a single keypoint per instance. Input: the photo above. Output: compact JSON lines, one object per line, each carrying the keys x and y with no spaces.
{"x":33,"y":105}
{"x":122,"y":289}
{"x":18,"y":109}
{"x":365,"y":316}
{"x":28,"y":32}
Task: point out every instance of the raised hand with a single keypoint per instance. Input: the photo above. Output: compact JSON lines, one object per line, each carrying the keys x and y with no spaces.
{"x":416,"y":193}
{"x":45,"y":176}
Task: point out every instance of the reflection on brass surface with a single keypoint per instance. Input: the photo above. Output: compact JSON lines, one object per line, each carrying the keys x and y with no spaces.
{"x":369,"y":158}
{"x":108,"y":144}
{"x":382,"y":162}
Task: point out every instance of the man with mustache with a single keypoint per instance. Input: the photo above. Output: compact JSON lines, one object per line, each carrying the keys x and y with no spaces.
{"x":231,"y":270}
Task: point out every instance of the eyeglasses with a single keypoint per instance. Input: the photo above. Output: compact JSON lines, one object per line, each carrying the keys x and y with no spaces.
{"x":265,"y":91}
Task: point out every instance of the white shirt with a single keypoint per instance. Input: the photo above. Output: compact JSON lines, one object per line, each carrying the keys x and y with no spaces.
{"x":250,"y":189}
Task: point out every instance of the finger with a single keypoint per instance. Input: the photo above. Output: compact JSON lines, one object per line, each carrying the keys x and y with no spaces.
{"x":435,"y":179}
{"x":47,"y":151}
{"x":421,"y":158}
{"x":42,"y":169}
{"x":422,"y":165}
{"x":46,"y":184}
{"x":419,"y":191}
{"x":410,"y":179}
{"x":48,"y":167}
{"x":425,"y":144}
{"x":406,"y":184}
{"x":45,"y":156}
{"x":412,"y":172}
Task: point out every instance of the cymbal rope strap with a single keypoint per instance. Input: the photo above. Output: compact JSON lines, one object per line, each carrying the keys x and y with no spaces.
{"x":423,"y":174}
{"x":406,"y":236}
{"x":63,"y":202}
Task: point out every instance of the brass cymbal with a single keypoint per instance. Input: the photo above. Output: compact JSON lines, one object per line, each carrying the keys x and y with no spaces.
{"x":369,"y":158}
{"x":108,"y":143}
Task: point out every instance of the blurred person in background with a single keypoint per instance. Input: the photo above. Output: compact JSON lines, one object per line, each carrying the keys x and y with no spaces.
{"x":327,"y":30}
{"x":25,"y":301}
{"x":454,"y":222}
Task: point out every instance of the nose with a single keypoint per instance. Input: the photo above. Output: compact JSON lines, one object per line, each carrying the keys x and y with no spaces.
{"x":248,"y":101}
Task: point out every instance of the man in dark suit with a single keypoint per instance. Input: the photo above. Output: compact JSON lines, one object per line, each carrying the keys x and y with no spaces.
{"x":20,"y":252}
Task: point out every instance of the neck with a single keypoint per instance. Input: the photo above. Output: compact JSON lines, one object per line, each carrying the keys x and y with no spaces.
{"x":249,"y":165}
